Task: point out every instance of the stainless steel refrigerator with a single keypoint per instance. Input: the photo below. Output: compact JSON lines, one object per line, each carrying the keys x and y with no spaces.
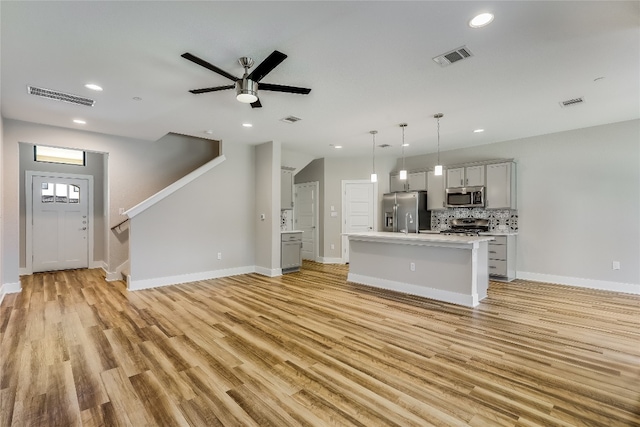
{"x":406,"y":210}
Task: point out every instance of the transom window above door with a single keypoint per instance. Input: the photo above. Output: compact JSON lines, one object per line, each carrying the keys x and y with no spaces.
{"x":65,"y":156}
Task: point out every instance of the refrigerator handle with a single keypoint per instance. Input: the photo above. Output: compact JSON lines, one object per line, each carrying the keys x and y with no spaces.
{"x":395,"y":217}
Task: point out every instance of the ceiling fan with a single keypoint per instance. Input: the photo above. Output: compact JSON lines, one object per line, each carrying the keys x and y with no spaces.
{"x":247,"y":86}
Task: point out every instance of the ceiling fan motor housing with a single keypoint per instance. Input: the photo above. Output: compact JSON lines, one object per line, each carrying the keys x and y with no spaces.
{"x":246,"y":90}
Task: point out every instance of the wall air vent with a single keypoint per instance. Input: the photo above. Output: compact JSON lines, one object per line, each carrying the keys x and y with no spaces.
{"x":290,"y":119}
{"x":60,"y":96}
{"x":453,"y":56}
{"x":570,"y":102}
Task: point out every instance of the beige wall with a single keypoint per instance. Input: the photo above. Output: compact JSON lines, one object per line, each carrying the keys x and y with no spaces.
{"x":136,"y":169}
{"x":578,"y":200}
{"x":267,"y":196}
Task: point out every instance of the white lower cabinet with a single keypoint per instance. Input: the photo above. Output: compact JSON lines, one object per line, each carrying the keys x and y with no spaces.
{"x":291,"y":252}
{"x":502,"y":258}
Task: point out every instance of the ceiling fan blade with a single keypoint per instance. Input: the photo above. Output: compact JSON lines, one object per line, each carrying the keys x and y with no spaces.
{"x":282,"y":88}
{"x":267,"y":65}
{"x":209,"y":66}
{"x":211,"y":89}
{"x":256,"y":104}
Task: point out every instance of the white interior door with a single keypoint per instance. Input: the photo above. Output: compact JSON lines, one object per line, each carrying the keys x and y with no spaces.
{"x":305,"y":217}
{"x":359,"y":207}
{"x":60,"y":223}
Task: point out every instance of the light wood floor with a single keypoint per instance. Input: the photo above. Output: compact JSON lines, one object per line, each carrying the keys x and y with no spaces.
{"x":310,"y":349}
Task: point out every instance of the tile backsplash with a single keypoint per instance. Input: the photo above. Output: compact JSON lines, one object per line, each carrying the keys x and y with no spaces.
{"x":502,"y":220}
{"x":286,"y":220}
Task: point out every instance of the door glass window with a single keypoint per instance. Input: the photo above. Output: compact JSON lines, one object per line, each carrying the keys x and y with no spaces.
{"x":61,"y":193}
{"x":74,"y":194}
{"x":46,"y":192}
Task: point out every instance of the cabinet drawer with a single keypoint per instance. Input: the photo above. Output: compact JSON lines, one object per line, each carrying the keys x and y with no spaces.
{"x":499,"y":240}
{"x":497,"y":267}
{"x":498,"y":252}
{"x":291,"y":237}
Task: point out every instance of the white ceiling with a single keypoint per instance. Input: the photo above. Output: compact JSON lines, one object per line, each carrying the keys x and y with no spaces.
{"x":369,"y":65}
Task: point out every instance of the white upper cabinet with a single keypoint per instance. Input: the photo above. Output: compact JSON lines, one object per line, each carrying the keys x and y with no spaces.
{"x":415,"y":181}
{"x":471,"y":176}
{"x":501,"y":186}
{"x":435,"y":191}
{"x":286,"y":189}
{"x":396,"y":184}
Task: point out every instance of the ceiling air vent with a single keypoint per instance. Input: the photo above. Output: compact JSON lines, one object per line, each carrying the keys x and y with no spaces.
{"x":570,"y":102}
{"x":384,"y":145}
{"x":60,"y":96}
{"x":291,"y":119}
{"x":453,"y":56}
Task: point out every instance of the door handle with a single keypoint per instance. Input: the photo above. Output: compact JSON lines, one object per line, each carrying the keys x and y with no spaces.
{"x":84,"y":228}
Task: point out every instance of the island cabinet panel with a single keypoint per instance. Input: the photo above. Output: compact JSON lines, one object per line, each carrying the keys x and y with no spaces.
{"x":453,"y":269}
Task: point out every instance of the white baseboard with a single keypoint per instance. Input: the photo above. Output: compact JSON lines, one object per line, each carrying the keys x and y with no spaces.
{"x":9,"y":288}
{"x":328,"y":260}
{"x":603,"y":285}
{"x":97,"y":264}
{"x":273,"y":272}
{"x":421,"y":291}
{"x":23,"y":272}
{"x":136,"y":285}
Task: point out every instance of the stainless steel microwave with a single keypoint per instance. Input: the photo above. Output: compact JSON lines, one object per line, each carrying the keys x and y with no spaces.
{"x":465,"y":197}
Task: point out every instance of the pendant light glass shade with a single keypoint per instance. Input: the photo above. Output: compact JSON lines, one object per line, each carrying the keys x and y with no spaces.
{"x":438,"y":169}
{"x":403,"y":172}
{"x":374,"y":176}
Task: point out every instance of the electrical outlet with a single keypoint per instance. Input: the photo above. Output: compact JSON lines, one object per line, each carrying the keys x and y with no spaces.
{"x":412,"y":266}
{"x":333,"y":246}
{"x":615,"y":265}
{"x":219,"y":255}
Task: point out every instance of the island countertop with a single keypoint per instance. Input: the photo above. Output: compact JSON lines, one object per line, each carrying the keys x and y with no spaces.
{"x":429,"y":239}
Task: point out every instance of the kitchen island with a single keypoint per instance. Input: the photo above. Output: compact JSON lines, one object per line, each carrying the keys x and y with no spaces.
{"x":453,"y":269}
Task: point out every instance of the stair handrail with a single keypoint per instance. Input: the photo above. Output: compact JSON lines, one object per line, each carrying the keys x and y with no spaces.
{"x":118,"y":226}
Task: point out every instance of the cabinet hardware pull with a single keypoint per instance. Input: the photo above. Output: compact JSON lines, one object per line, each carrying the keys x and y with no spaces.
{"x":492,"y":266}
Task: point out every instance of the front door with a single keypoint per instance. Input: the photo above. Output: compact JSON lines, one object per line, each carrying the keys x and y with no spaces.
{"x":306,"y":218}
{"x":359,"y":211}
{"x":60,"y":223}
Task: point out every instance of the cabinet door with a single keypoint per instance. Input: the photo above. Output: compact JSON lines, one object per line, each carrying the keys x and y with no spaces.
{"x":286,"y":189}
{"x":435,"y":192}
{"x":500,"y":186}
{"x":396,"y":184}
{"x":417,"y":181}
{"x":455,"y":177}
{"x":291,"y":254}
{"x":474,"y":176}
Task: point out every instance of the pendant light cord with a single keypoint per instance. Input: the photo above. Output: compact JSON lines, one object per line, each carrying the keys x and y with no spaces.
{"x":403,"y":126}
{"x":438,"y":140}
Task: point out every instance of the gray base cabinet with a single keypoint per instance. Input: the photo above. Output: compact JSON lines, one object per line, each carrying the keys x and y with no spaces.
{"x":291,"y":252}
{"x":502,"y":258}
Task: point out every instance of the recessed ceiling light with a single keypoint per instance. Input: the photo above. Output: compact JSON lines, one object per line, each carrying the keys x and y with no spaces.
{"x":478,"y":130}
{"x":93,"y":87}
{"x":481,"y":20}
{"x":208,"y":132}
{"x":337,"y":146}
{"x":80,"y":122}
{"x":247,"y":125}
{"x":405,"y":144}
{"x":137,"y":98}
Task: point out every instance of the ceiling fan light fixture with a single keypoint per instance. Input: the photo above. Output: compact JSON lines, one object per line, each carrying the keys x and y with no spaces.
{"x":246,"y":91}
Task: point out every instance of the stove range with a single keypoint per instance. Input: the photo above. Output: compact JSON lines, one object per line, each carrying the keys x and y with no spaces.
{"x":467,"y":227}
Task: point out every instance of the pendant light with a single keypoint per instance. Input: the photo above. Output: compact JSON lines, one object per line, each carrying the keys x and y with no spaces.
{"x":403,"y":172}
{"x":438,"y":169}
{"x":374,"y":176}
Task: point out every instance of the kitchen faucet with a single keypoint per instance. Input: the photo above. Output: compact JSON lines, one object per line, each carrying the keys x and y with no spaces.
{"x":407,"y":219}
